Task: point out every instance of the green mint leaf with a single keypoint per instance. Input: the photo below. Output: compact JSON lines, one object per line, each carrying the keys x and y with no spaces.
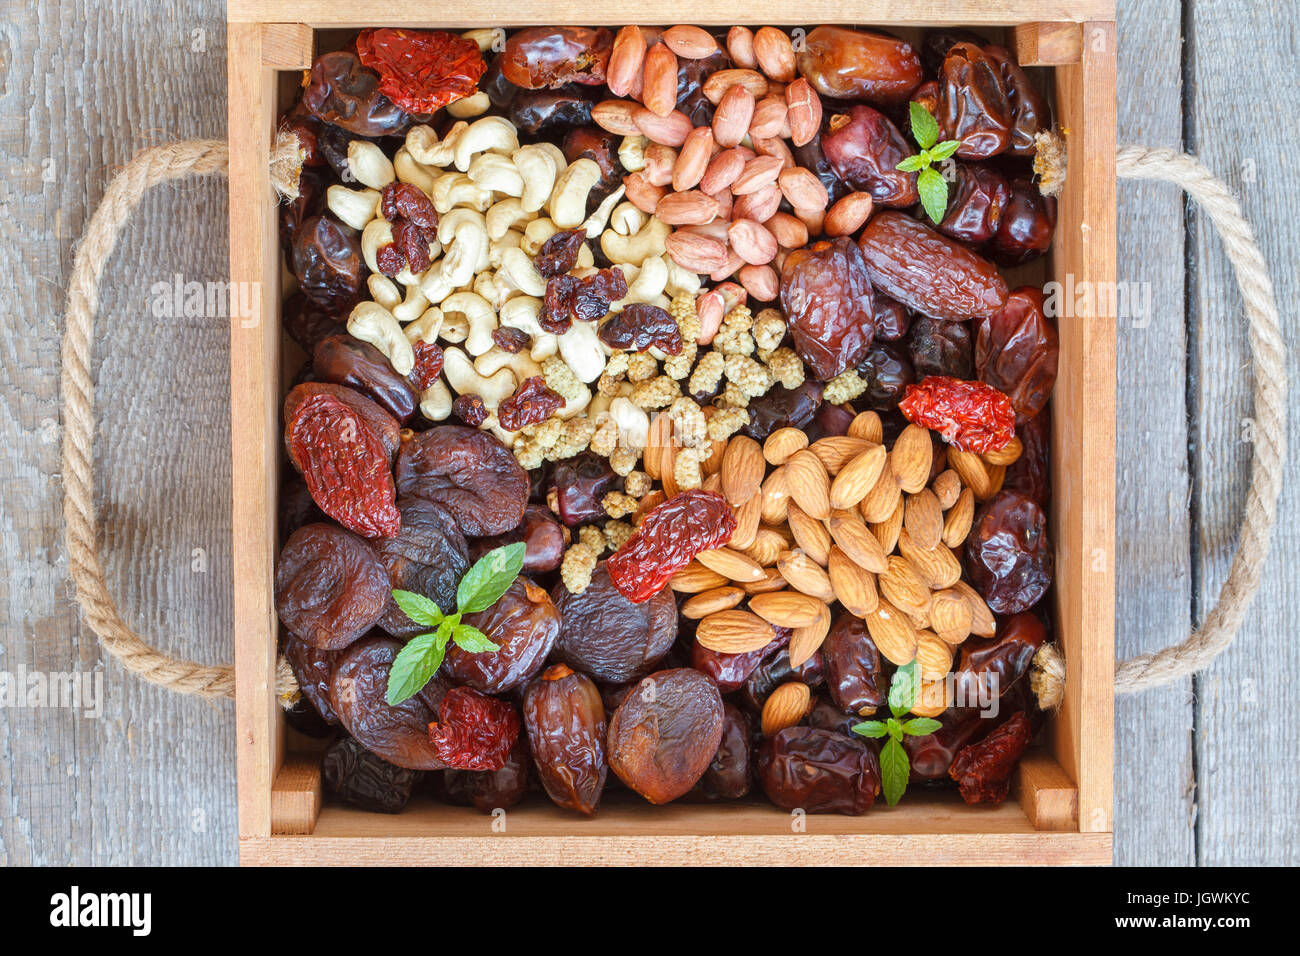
{"x":920,"y":726}
{"x":911,"y":164}
{"x":903,"y":688}
{"x":418,"y":608}
{"x":925,"y":130}
{"x":470,"y":638}
{"x":934,"y":194}
{"x":415,"y":664}
{"x":869,"y":728}
{"x":895,"y":728}
{"x":945,"y":149}
{"x":491,"y":576}
{"x":894,"y":771}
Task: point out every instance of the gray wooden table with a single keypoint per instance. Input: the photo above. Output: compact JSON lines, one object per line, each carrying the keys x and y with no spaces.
{"x":1206,"y":771}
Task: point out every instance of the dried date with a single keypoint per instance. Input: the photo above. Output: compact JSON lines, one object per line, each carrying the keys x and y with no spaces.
{"x":344,"y":93}
{"x":311,"y":666}
{"x":730,"y":772}
{"x":553,"y":56}
{"x":826,"y":295}
{"x":327,"y":261}
{"x":847,"y":64}
{"x":1008,"y":555}
{"x":818,"y":771}
{"x":524,"y":625}
{"x":565,"y":719}
{"x":1016,"y":351}
{"x":855,"y":674}
{"x":362,"y":779}
{"x":864,"y":148}
{"x":343,"y":360}
{"x":983,"y":770}
{"x":1028,"y":223}
{"x":973,"y":104}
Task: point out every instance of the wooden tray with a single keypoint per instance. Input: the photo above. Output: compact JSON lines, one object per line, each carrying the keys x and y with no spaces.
{"x":1062,"y":811}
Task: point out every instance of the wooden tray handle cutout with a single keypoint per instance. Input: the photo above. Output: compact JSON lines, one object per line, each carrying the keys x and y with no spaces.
{"x":161,"y":163}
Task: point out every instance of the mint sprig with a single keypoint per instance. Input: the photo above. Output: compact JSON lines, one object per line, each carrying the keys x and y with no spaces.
{"x":931,"y":185}
{"x":480,"y":588}
{"x":894,"y":767}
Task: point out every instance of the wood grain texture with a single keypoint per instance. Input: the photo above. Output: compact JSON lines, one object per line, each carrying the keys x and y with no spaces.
{"x":1247,"y":778}
{"x":1155,"y":801}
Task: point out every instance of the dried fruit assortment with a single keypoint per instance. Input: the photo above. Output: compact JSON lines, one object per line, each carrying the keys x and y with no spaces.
{"x":665,"y":416}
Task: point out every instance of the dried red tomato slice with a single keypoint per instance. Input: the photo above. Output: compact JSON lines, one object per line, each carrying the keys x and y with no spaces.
{"x":971,"y":416}
{"x":421,"y":70}
{"x":475,"y":732}
{"x":983,"y":770}
{"x":669,"y":537}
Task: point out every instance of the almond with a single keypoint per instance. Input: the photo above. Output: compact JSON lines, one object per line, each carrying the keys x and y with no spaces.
{"x":911,"y":458}
{"x":892,"y":633}
{"x":712,"y":601}
{"x":806,"y":641}
{"x":1005,"y":456}
{"x":924,"y":518}
{"x":886,"y":531}
{"x":695,"y":578}
{"x":625,"y":60}
{"x":772,"y":581}
{"x":649,"y":503}
{"x":659,"y":81}
{"x":805,"y":116}
{"x":717,"y":84}
{"x":810,"y":534}
{"x":983,"y":623}
{"x":804,"y":574}
{"x":742,"y":469}
{"x":759,"y":172}
{"x":956,"y":525}
{"x":857,"y":541}
{"x":659,"y":438}
{"x":883,"y":498}
{"x":670,"y":129}
{"x":690,"y":208}
{"x":775,"y":54}
{"x":759,"y":206}
{"x":642,"y":194}
{"x":615,"y":116}
{"x":749,"y":240}
{"x":769,"y":117}
{"x":748,"y":514}
{"x":947,"y":488}
{"x":932,"y":699}
{"x":776,"y":497}
{"x":803,"y":190}
{"x":731,"y":564}
{"x":740,"y":47}
{"x":849,"y":214}
{"x":854,"y":586}
{"x":974,"y":473}
{"x":903,"y":587}
{"x":867,"y":425}
{"x":938,"y":567}
{"x":809,"y":485}
{"x":790,"y":232}
{"x":933,"y":656}
{"x":690,"y":43}
{"x":763,"y":283}
{"x":693,"y":160}
{"x":858,"y":477}
{"x":767,"y":547}
{"x":836,"y":451}
{"x":723,"y":169}
{"x":695,"y":253}
{"x":734,"y":632}
{"x":785,"y":707}
{"x":732,"y":118}
{"x":951,"y":615}
{"x":787,"y":608}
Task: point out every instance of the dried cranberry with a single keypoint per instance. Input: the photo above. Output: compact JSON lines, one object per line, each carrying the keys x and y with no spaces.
{"x":400,"y":200}
{"x":509,"y":339}
{"x":641,"y":326}
{"x":557,"y":307}
{"x":594,"y":293}
{"x":670,"y":535}
{"x":428,"y":364}
{"x":531,"y":403}
{"x":390,"y":259}
{"x":971,"y":416}
{"x":474,"y":732}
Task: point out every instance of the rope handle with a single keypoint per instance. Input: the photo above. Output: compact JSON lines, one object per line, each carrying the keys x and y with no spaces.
{"x":162,"y":163}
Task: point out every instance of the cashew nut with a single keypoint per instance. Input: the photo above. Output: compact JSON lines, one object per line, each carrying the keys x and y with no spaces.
{"x":490,"y":134}
{"x":457,"y":189}
{"x":384,"y":290}
{"x":487,"y":38}
{"x":627,"y":220}
{"x":595,"y":223}
{"x":356,"y":207}
{"x":435,"y":401}
{"x":480,"y":315}
{"x":470,"y":222}
{"x":465,"y":379}
{"x":368,"y":164}
{"x":568,"y":205}
{"x":521,"y":272}
{"x":506,"y":215}
{"x":582,"y":351}
{"x":455,"y":328}
{"x":521,"y":363}
{"x":631,"y":153}
{"x":649,"y":240}
{"x":496,"y":293}
{"x":466,"y":255}
{"x":680,"y":281}
{"x":645,"y":285}
{"x":423,"y":144}
{"x":416,"y":173}
{"x":412,"y":307}
{"x":633,"y":423}
{"x":425,"y":328}
{"x":576,"y":406}
{"x":538,"y":170}
{"x":469,"y":106}
{"x":371,"y":322}
{"x":536,"y":233}
{"x":497,"y":173}
{"x":511,"y":240}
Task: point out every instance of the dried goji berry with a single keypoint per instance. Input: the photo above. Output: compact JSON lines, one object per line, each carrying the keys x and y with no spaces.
{"x":475,"y":732}
{"x":428,"y":364}
{"x":971,"y":416}
{"x":983,"y":770}
{"x":422,"y":70}
{"x":669,"y":537}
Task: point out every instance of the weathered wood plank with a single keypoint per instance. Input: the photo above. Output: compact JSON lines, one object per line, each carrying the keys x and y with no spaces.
{"x":1154,"y":796}
{"x":1248,"y":774}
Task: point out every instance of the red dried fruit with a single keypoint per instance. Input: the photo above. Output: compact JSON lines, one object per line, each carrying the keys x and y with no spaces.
{"x":469,"y":408}
{"x":565,"y":719}
{"x":1016,"y":351}
{"x":588,"y":298}
{"x":557,"y":305}
{"x":422,"y":70}
{"x":1008,"y":553}
{"x":346,"y":361}
{"x":641,"y":326}
{"x":390,"y":259}
{"x":931,"y":755}
{"x":336,"y":439}
{"x":552,"y":56}
{"x":826,"y":296}
{"x":428,"y":364}
{"x":412,"y":242}
{"x":531,"y":403}
{"x":467,"y":471}
{"x":400,"y":200}
{"x":670,"y":535}
{"x":971,"y":416}
{"x":475,"y":732}
{"x":818,"y":771}
{"x":559,"y":253}
{"x":983,"y":770}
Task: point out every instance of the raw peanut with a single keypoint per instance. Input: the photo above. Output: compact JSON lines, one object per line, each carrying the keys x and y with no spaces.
{"x":849,"y":214}
{"x":858,"y":477}
{"x":712,"y":601}
{"x":710,"y":307}
{"x":769,"y":118}
{"x":615,"y":116}
{"x":803,"y":190}
{"x":728,"y":268}
{"x":670,"y":129}
{"x":805,"y":111}
{"x":854,"y":586}
{"x":813,"y":219}
{"x":686,"y":209}
{"x":716,"y":230}
{"x":785,"y":707}
{"x":693,"y":159}
{"x":690,"y":43}
{"x":698,"y":254}
{"x":883,"y":498}
{"x":809,"y":485}
{"x":946,"y":487}
{"x":775,"y":54}
{"x":957,"y":525}
{"x":733,"y":116}
{"x":763,"y":283}
{"x":725,"y":202}
{"x":790,"y":232}
{"x":867,"y":425}
{"x":723,"y":169}
{"x":806,"y":641}
{"x":659,"y":81}
{"x":626,"y":58}
{"x":886,"y":531}
{"x":716,"y":86}
{"x":758,"y":172}
{"x":774,"y":146}
{"x":752,"y":242}
{"x":642,"y":194}
{"x":857,"y":541}
{"x":810,"y":534}
{"x":759,"y":206}
{"x":660,"y":161}
{"x":923,"y":519}
{"x":696,"y":578}
{"x":740,"y":47}
{"x":731,"y":564}
{"x":803,"y":574}
{"x":783,"y":443}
